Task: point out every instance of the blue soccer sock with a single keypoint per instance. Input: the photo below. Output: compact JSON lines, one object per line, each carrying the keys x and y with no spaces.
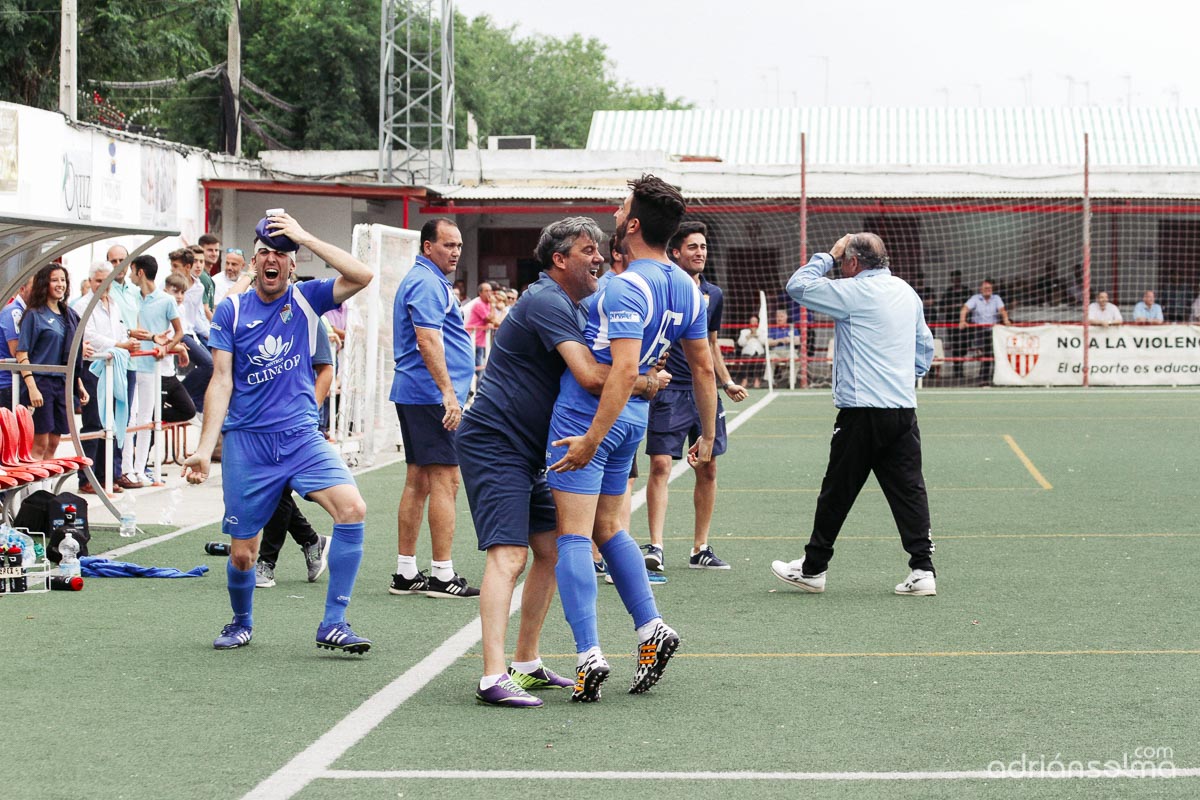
{"x":627,"y":566}
{"x":241,"y":593}
{"x":577,"y":589}
{"x":345,"y":554}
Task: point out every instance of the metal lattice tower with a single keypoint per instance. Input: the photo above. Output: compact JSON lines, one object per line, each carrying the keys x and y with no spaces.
{"x":416,"y":92}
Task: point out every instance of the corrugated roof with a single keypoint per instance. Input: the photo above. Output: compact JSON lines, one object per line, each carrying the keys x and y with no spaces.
{"x":1119,"y":137}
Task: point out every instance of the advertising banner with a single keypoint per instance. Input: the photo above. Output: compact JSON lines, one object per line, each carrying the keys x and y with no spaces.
{"x":1122,"y":355}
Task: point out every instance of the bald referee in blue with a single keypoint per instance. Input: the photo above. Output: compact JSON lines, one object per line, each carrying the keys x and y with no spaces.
{"x":262,"y":398}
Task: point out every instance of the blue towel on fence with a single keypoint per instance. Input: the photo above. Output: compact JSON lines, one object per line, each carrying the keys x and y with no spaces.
{"x":120,"y":366}
{"x":94,"y":567}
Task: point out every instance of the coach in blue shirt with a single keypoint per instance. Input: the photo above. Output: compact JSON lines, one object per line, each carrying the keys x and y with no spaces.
{"x":881,"y":346}
{"x":435,"y":360}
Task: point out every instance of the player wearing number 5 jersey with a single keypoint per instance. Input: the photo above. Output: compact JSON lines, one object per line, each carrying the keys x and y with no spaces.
{"x":637,"y":316}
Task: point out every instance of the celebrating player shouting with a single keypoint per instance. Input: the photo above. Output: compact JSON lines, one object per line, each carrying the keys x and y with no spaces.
{"x":261,"y":397}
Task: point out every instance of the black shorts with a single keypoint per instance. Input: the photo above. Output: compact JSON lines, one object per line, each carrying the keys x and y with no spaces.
{"x":426,"y":441}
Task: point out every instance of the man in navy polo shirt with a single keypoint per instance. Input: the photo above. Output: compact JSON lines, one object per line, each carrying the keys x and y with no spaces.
{"x":435,"y":360}
{"x":501,"y":446}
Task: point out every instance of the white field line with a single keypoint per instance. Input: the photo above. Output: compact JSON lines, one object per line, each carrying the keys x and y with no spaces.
{"x":958,"y":775}
{"x":133,"y":547}
{"x":315,"y":761}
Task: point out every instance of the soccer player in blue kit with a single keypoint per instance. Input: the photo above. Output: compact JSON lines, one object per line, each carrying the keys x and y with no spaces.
{"x":637,"y":316}
{"x":261,"y":397}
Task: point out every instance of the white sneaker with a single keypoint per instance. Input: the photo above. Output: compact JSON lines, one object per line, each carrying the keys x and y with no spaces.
{"x":919,"y":583}
{"x":264,"y":575}
{"x":792,"y":572}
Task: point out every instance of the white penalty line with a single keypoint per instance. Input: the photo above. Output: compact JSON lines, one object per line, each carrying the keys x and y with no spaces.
{"x":315,"y":760}
{"x":959,"y":775}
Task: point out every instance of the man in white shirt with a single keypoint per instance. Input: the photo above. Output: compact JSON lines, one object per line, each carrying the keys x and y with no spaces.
{"x":1104,"y":313}
{"x":105,"y":330}
{"x":224,"y":281}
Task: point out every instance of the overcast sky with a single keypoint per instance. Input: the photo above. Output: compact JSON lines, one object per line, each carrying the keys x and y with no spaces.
{"x":755,"y":53}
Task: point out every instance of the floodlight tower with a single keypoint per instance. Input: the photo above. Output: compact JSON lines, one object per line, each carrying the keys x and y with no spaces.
{"x":416,"y":91}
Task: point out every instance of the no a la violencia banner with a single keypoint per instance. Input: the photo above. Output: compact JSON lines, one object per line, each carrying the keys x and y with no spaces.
{"x":1129,"y":355}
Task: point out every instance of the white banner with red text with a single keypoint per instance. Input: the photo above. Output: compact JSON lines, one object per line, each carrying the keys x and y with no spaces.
{"x":1128,"y":355}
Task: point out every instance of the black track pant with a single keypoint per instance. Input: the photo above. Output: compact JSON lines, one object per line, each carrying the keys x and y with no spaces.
{"x":286,"y":519}
{"x":885,"y":441}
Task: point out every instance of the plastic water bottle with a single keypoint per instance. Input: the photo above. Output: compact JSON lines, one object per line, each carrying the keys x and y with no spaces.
{"x":128,"y":517}
{"x":69,"y":549}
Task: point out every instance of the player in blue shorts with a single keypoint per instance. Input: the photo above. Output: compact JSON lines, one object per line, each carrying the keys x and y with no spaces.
{"x":675,"y":419}
{"x":261,"y":397}
{"x":501,"y":448}
{"x":637,"y":316}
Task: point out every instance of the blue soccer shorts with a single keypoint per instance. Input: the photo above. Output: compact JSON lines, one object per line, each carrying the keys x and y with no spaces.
{"x":506,"y":488}
{"x":608,"y":471}
{"x":675,"y":419}
{"x":256,"y":466}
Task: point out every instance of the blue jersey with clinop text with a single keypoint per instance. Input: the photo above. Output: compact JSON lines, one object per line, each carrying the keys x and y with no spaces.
{"x":654,"y":302}
{"x":272,"y":346}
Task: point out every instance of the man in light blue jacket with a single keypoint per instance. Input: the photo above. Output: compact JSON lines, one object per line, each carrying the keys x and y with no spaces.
{"x":881,"y":346}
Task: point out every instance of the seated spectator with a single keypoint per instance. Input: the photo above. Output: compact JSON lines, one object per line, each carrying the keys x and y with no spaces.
{"x":1148,"y":312}
{"x":1103,"y":312}
{"x":780,"y":337}
{"x":751,"y":346}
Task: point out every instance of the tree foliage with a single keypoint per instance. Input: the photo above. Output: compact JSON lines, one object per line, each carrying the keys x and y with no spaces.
{"x":321,"y":57}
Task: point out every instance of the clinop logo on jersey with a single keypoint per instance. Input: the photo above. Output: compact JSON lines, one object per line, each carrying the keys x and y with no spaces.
{"x":273,"y":357}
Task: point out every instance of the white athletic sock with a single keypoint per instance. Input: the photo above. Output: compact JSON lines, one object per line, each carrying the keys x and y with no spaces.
{"x":644,"y":631}
{"x":442,"y":570}
{"x":527,"y":666}
{"x":406,"y":567}
{"x":488,"y":681}
{"x":586,"y":654}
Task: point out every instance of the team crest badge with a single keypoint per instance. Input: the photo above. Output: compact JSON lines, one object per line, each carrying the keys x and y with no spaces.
{"x":1022,"y":351}
{"x":285,"y":313}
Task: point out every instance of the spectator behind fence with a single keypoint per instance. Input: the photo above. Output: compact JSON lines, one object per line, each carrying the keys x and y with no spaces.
{"x":1147,"y":312}
{"x":751,"y":345}
{"x":47,"y":328}
{"x":779,"y":338}
{"x":1103,"y":312}
{"x":985,"y":309}
{"x":1195,"y":316}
